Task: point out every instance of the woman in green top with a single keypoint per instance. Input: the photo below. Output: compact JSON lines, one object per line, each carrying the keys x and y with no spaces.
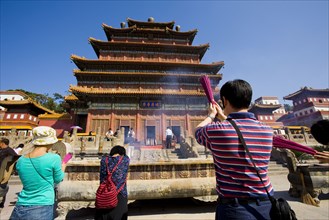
{"x":38,"y":171}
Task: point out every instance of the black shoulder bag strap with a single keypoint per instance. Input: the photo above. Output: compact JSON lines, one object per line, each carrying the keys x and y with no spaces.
{"x":247,"y":151}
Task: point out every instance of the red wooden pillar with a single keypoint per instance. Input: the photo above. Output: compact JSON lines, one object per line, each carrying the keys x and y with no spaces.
{"x":137,"y":129}
{"x":89,"y":118}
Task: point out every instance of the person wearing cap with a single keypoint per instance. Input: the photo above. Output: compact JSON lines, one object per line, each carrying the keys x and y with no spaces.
{"x":39,"y":171}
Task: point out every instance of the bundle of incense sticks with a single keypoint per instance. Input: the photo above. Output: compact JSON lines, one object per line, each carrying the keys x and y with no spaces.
{"x":280,"y":142}
{"x":205,"y":82}
{"x":323,"y":157}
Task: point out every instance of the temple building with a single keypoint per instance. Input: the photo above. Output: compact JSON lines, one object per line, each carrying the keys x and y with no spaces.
{"x":20,"y":112}
{"x":309,"y":106}
{"x":146,"y":77}
{"x":267,"y":109}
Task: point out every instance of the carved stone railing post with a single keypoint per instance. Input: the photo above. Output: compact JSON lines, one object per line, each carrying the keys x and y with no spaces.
{"x":97,"y":137}
{"x":100,"y":147}
{"x":66,"y":137}
{"x":83,"y":148}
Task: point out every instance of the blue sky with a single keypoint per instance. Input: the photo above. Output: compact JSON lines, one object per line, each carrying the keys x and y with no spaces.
{"x":277,"y":46}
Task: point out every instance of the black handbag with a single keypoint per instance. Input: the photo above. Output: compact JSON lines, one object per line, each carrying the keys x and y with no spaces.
{"x":280,"y":209}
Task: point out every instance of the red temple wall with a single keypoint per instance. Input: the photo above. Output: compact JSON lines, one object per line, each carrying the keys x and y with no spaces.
{"x":60,"y":125}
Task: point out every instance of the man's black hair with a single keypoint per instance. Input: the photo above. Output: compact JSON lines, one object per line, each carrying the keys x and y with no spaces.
{"x":118,"y":150}
{"x":238,"y":92}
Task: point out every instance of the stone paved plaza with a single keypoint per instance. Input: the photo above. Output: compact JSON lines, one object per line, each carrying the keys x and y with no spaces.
{"x":177,"y":209}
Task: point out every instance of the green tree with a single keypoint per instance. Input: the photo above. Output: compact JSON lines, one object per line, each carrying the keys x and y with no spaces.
{"x":288,"y":107}
{"x":59,"y":99}
{"x":54,"y":103}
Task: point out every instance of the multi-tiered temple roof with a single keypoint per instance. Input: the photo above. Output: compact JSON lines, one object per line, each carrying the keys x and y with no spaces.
{"x":143,"y":61}
{"x":144,"y":52}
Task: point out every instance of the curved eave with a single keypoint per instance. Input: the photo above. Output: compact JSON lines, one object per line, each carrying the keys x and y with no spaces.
{"x":188,"y":34}
{"x":292,"y":95}
{"x":143,"y":24}
{"x":14,"y":92}
{"x":86,"y":64}
{"x":110,"y":32}
{"x":129,"y":92}
{"x":305,"y":89}
{"x":107,"y":45}
{"x":71,"y":97}
{"x":55,"y":116}
{"x":15,"y":102}
{"x":110,"y":29}
{"x":79,"y":72}
{"x":8,"y":104}
{"x":267,"y":107}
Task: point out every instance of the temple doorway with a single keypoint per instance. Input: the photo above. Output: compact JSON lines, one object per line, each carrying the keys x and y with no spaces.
{"x":126,"y":132}
{"x":176,"y":132}
{"x":100,"y":125}
{"x":150,"y":135}
{"x":81,"y":121}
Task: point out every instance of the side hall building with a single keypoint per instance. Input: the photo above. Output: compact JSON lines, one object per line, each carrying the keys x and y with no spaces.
{"x":267,"y":109}
{"x":19,"y":111}
{"x":309,"y":106}
{"x":146,"y":77}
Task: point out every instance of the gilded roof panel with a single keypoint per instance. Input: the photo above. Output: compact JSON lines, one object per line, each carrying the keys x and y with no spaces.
{"x":71,"y":97}
{"x":121,"y":91}
{"x":63,"y":116}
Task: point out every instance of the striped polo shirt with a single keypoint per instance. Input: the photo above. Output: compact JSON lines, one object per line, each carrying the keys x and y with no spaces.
{"x":236,"y":176}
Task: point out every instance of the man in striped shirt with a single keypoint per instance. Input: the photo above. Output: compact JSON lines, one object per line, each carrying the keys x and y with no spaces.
{"x":241,"y":193}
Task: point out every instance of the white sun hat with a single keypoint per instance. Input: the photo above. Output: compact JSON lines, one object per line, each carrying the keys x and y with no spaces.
{"x":44,"y":135}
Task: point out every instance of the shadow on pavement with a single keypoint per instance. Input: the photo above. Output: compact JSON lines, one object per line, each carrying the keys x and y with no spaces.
{"x":178,"y":205}
{"x":172,"y":206}
{"x":153,"y":207}
{"x":285,"y":194}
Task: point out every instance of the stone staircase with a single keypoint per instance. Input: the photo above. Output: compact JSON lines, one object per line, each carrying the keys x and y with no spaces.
{"x":174,"y":154}
{"x":275,"y":167}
